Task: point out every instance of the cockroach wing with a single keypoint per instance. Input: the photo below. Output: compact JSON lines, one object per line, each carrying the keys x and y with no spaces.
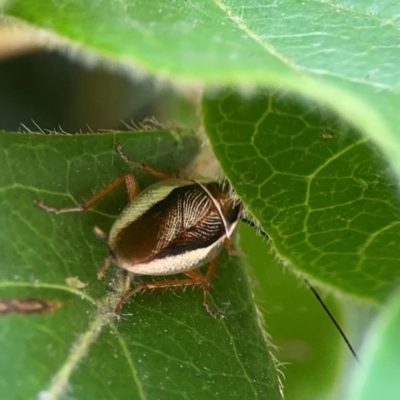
{"x":171,"y":227}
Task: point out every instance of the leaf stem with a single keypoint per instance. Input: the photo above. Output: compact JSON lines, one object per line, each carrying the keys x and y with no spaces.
{"x":59,"y":382}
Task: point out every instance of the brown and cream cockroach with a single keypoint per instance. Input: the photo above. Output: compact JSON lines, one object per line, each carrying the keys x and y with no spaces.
{"x":174,"y":226}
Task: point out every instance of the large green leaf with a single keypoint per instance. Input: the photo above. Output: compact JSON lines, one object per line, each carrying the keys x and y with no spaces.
{"x":340,"y":53}
{"x":321,"y":191}
{"x":166,"y":345}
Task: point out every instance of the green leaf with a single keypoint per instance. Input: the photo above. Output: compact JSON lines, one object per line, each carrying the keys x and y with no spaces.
{"x":378,"y":376}
{"x":322,"y":192}
{"x":338,"y":53}
{"x":341,"y":54}
{"x":166,"y":345}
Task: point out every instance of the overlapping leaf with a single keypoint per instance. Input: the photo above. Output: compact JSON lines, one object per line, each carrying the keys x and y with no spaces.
{"x":341,"y":53}
{"x":323,"y":193}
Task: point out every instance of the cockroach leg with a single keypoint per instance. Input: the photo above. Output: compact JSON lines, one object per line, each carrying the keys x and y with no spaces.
{"x":231,"y":249}
{"x":54,"y":210}
{"x":144,"y":167}
{"x":100,"y":234}
{"x":131,"y":186}
{"x":125,"y":279}
{"x":195,"y":278}
{"x":154,"y":285}
{"x":126,"y":296}
{"x":211,"y":270}
{"x":103,"y":269}
{"x":205,"y":284}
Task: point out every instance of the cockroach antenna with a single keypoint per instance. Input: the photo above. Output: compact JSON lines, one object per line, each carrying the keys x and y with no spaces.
{"x":317,"y":296}
{"x":172,"y":227}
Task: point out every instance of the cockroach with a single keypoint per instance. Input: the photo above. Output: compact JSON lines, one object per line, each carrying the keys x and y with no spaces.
{"x":174,"y":226}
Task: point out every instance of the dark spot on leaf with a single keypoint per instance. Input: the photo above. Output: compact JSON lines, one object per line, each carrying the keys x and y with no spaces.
{"x":27,"y":306}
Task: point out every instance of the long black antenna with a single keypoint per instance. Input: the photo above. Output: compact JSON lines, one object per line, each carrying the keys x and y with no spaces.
{"x":316,"y":294}
{"x":342,"y":334}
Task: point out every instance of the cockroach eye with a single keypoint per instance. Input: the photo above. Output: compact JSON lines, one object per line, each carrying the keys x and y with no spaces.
{"x":174,"y":226}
